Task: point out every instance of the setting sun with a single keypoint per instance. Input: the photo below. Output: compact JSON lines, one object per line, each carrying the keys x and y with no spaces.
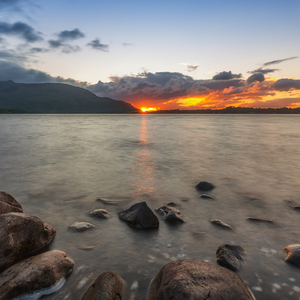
{"x":148,"y":109}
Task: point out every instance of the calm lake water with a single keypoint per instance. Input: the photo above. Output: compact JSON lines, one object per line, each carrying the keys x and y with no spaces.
{"x":56,"y":166}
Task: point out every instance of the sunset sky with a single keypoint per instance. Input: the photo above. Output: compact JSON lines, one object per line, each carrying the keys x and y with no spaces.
{"x":168,"y":54}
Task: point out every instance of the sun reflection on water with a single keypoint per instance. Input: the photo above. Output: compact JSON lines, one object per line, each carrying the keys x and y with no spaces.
{"x":144,"y":170}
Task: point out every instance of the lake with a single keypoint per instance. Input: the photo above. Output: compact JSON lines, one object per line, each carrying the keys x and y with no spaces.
{"x":57,"y":166}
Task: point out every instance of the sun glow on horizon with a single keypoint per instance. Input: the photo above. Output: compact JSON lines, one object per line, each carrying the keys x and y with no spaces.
{"x":148,"y":109}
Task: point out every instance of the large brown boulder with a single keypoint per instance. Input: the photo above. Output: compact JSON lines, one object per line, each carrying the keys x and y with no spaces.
{"x":21,"y":236}
{"x":9,"y":204}
{"x":194,"y":279}
{"x":37,"y":274}
{"x":108,"y":286}
{"x":139,"y":215}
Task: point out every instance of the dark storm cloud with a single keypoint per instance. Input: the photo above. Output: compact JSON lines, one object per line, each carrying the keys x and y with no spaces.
{"x":20,"y":74}
{"x":226,"y":76}
{"x":256,"y":77}
{"x":191,"y":68}
{"x":286,"y":84}
{"x":22,"y":30}
{"x":263,"y":71}
{"x":95,"y":44}
{"x":278,"y":61}
{"x":68,"y":35}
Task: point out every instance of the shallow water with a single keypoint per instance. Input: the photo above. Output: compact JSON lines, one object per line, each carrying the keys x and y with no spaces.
{"x":56,"y":166}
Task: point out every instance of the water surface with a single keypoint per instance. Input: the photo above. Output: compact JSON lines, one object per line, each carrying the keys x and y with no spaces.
{"x":56,"y":166}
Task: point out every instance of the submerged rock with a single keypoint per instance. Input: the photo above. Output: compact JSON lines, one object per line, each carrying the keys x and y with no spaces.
{"x":100,"y":213}
{"x":204,"y":186}
{"x":260,"y":220}
{"x":81,"y":226}
{"x":230,"y":256}
{"x":293,"y":254}
{"x":196,"y":279}
{"x":21,"y":236}
{"x":108,"y":286}
{"x":9,"y":204}
{"x":205,"y":196}
{"x":221,"y":224}
{"x":173,"y":204}
{"x":139,"y":215}
{"x":38,"y":275}
{"x":170,"y":214}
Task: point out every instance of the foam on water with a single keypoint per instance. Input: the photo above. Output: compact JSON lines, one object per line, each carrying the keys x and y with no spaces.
{"x":39,"y":293}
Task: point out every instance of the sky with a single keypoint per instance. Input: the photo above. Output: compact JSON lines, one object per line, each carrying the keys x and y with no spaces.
{"x":190,"y":54}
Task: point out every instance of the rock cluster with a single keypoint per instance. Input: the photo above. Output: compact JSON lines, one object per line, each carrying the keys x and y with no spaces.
{"x":22,"y":236}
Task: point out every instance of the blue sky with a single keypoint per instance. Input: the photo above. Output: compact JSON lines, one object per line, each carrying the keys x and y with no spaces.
{"x":96,"y":41}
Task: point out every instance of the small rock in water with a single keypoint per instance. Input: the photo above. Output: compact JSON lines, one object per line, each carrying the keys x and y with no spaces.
{"x":139,"y":215}
{"x":260,"y":220}
{"x":100,"y":213}
{"x":257,"y":288}
{"x":230,"y":256}
{"x":205,"y":196}
{"x":81,"y":226}
{"x":293,"y":254}
{"x":296,"y":208}
{"x":221,"y":224}
{"x":108,"y":201}
{"x":87,"y":248}
{"x":173,"y":204}
{"x":204,"y":186}
{"x":170,"y":214}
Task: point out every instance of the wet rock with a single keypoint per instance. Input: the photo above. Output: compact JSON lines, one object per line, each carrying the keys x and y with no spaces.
{"x":107,"y":201}
{"x":9,"y":204}
{"x":108,"y":286}
{"x":173,"y":204}
{"x":230,"y":256}
{"x":296,"y":208}
{"x":204,"y":186}
{"x":196,"y":279}
{"x":21,"y":236}
{"x":81,"y":226}
{"x":139,"y":215}
{"x":293,"y":254}
{"x":100,"y":213}
{"x":36,"y":275}
{"x":208,"y":197}
{"x":170,"y":214}
{"x":221,"y":224}
{"x":260,"y":220}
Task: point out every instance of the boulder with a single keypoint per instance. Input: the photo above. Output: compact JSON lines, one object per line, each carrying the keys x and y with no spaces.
{"x":9,"y":204}
{"x":170,"y":214}
{"x":81,"y":226}
{"x":21,"y":236}
{"x":38,"y":275}
{"x":108,"y":286}
{"x":230,"y":256}
{"x":139,"y":215}
{"x":221,"y":224}
{"x":293,"y":254}
{"x":100,"y":214}
{"x":196,"y":279}
{"x":204,"y":186}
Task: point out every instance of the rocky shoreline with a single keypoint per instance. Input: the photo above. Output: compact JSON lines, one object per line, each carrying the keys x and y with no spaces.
{"x":28,"y":271}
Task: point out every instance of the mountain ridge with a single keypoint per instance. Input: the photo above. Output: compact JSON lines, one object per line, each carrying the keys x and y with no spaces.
{"x":57,"y":98}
